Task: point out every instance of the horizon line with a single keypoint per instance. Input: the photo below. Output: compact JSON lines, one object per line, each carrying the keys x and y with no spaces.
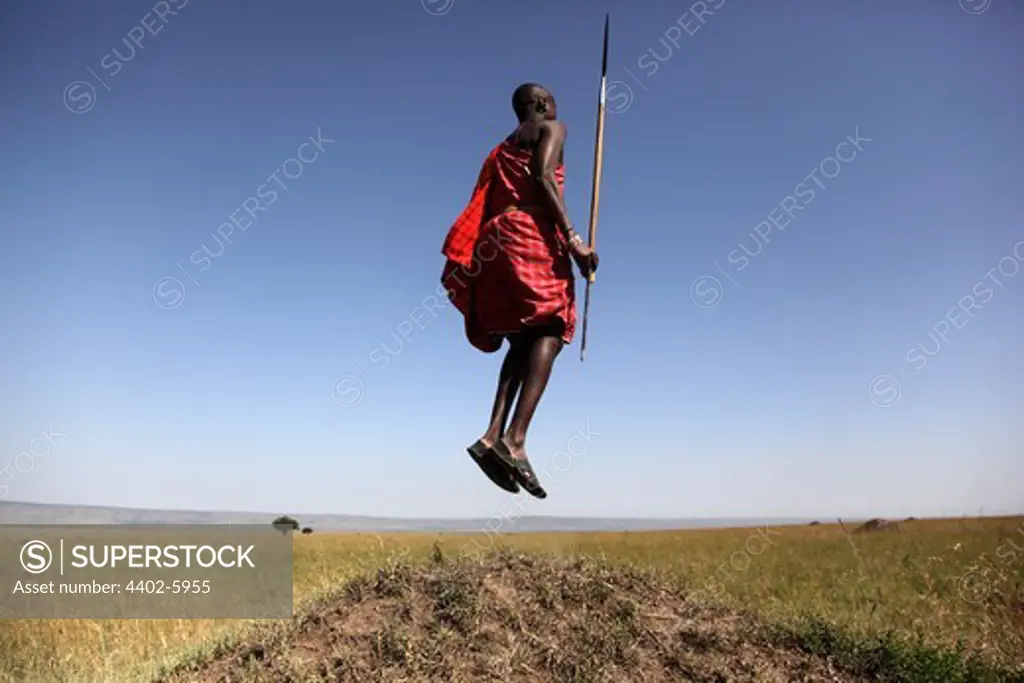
{"x":980,"y":513}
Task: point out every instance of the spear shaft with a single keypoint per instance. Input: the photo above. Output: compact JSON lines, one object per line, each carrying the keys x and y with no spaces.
{"x":595,"y":197}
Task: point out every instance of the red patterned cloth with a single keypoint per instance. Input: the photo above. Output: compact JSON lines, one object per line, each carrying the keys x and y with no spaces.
{"x":462,"y":237}
{"x":509,"y":269}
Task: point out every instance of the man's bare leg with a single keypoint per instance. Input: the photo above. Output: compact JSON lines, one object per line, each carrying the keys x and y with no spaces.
{"x":510,"y":379}
{"x":540,"y":358}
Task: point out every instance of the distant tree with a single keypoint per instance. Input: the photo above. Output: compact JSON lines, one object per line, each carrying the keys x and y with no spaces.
{"x":284,"y":523}
{"x":877,"y":524}
{"x":815,"y":523}
{"x":307,"y":530}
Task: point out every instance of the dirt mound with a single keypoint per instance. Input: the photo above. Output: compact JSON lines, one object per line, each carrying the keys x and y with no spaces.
{"x":512,"y":617}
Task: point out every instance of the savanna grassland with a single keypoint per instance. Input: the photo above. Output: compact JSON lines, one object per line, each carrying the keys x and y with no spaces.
{"x":924,"y":600}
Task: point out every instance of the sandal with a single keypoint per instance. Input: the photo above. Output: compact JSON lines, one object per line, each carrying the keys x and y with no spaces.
{"x":520,"y":469}
{"x":492,"y":467}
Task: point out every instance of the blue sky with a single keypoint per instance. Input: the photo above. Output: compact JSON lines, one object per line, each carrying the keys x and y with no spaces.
{"x":793,"y":383}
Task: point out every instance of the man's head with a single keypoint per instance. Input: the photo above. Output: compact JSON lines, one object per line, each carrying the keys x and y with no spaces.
{"x":533,"y":102}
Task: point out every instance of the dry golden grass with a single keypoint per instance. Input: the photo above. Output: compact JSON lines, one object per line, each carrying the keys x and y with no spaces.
{"x":947,"y":580}
{"x":944,"y":581}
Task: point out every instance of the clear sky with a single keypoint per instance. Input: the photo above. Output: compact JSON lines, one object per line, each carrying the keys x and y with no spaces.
{"x":849,"y":173}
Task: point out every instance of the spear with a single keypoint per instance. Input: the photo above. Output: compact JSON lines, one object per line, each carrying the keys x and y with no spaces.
{"x":595,"y":196}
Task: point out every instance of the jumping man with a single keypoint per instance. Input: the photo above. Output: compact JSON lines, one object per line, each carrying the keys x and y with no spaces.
{"x":509,"y":272}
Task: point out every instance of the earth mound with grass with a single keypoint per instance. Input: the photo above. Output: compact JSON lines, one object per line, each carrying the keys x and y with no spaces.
{"x":511,"y":617}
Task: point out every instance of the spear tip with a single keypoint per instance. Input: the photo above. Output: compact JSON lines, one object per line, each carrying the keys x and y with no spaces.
{"x":604,"y":57}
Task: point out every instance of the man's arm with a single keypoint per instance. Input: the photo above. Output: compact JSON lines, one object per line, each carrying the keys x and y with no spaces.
{"x":550,"y":143}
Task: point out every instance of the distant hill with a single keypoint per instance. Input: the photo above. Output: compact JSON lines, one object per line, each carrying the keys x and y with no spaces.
{"x":38,"y":513}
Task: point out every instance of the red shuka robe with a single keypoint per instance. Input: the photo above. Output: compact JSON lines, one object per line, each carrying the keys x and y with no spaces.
{"x":509,"y":269}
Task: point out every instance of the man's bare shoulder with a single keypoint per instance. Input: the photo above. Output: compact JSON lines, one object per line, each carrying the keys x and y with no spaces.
{"x":531,"y":134}
{"x":554,"y":126}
